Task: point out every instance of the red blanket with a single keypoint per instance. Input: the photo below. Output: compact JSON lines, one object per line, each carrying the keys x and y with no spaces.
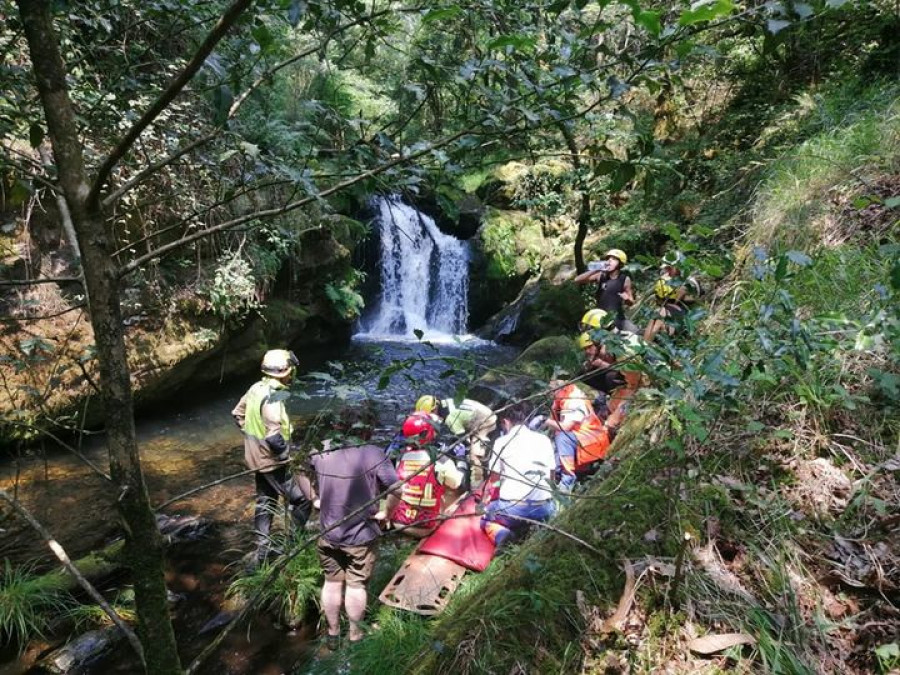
{"x":461,"y":539}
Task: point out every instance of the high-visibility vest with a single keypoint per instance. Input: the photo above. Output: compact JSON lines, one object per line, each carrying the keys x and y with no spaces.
{"x":421,"y":494}
{"x":592,"y":437}
{"x":257,"y":397}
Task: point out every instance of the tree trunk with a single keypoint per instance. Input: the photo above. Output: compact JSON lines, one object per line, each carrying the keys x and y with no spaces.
{"x":144,"y":545}
{"x":584,"y":209}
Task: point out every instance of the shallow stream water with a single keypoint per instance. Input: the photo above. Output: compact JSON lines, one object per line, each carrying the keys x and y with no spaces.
{"x":194,"y":441}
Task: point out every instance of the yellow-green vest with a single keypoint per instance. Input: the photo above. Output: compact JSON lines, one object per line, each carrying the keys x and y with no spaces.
{"x":257,"y":396}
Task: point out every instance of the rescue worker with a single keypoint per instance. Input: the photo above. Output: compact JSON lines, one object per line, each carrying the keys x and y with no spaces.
{"x":471,"y":420}
{"x":350,"y":480}
{"x":522,"y":461}
{"x":262,"y":417}
{"x":596,"y":357}
{"x":581,"y":437}
{"x":673,"y":294}
{"x":614,"y":290}
{"x":424,"y":479}
{"x":603,"y":352}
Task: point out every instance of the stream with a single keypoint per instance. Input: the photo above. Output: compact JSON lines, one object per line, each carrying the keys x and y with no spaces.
{"x":408,"y":344}
{"x":194,"y":442}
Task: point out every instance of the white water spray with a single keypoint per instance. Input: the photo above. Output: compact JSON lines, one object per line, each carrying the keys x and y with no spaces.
{"x":424,"y":277}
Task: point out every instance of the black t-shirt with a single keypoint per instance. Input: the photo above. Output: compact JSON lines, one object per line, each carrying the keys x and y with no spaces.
{"x":348,"y":479}
{"x":607,"y":295}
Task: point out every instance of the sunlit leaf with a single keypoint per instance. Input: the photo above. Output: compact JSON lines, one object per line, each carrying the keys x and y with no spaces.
{"x":443,"y":13}
{"x":520,"y":42}
{"x":705,"y":10}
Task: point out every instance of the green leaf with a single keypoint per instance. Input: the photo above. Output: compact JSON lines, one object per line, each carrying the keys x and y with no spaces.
{"x":441,"y":14}
{"x":705,"y":10}
{"x":263,"y":36}
{"x":650,"y":20}
{"x":892,"y":202}
{"x":781,"y":268}
{"x":606,"y":166}
{"x":622,"y":176}
{"x":35,"y":134}
{"x":222,"y":100}
{"x":895,"y":276}
{"x":888,"y":652}
{"x":295,"y":12}
{"x":775,"y":26}
{"x":520,"y":42}
{"x":799,"y":258}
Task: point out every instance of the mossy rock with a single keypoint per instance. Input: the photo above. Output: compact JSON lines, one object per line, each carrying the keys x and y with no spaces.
{"x":346,"y":231}
{"x":556,"y":308}
{"x":513,"y":243}
{"x":499,"y":187}
{"x":507,"y":250}
{"x":529,"y":373}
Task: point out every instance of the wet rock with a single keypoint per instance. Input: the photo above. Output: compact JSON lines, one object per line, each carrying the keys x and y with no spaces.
{"x":182,"y":528}
{"x":79,"y":654}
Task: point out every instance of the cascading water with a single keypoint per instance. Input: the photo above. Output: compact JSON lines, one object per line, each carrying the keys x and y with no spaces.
{"x":424,"y":277}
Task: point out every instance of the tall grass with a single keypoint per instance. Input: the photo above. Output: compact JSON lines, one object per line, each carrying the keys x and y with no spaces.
{"x":860,"y":139}
{"x":27,"y":605}
{"x":293,"y":590}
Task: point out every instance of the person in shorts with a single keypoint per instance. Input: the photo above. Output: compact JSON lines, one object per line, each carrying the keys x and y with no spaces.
{"x":350,"y":481}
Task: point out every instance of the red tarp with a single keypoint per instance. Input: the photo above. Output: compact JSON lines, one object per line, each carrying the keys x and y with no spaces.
{"x":461,"y":539}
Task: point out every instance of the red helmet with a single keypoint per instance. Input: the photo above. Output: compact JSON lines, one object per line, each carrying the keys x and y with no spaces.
{"x":418,"y":429}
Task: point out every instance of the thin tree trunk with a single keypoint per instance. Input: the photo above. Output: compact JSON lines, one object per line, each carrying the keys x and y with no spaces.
{"x":144,"y":545}
{"x":584,"y":208}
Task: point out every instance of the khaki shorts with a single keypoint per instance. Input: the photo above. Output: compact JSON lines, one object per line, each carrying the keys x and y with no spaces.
{"x":352,"y":564}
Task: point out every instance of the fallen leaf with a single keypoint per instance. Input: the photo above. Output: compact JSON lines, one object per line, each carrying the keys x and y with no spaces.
{"x":710,"y":644}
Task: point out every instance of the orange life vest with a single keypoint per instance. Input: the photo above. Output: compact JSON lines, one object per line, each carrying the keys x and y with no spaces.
{"x":592,"y":437}
{"x":422,"y":493}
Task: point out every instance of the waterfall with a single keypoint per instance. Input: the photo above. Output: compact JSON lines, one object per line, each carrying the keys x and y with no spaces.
{"x":424,"y":276}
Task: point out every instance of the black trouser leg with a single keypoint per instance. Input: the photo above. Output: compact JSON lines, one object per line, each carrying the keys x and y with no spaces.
{"x":298,"y":504}
{"x":269,"y":486}
{"x":266,"y":503}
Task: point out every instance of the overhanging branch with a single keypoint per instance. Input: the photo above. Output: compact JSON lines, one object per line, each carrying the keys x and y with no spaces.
{"x":223,"y":25}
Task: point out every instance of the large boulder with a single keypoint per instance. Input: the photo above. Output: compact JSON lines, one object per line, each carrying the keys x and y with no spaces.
{"x":529,"y":373}
{"x":507,"y":250}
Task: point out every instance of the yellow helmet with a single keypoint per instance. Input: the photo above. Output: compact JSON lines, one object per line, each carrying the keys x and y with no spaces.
{"x":594,"y":318}
{"x":618,"y":254}
{"x":664,"y":291}
{"x":279,"y":362}
{"x":427,"y":403}
{"x":584,"y":341}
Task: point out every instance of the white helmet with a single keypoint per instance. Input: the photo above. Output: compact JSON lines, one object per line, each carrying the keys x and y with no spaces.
{"x":279,"y":362}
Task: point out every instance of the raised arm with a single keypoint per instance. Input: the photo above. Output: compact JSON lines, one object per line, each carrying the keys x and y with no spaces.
{"x":588,"y":277}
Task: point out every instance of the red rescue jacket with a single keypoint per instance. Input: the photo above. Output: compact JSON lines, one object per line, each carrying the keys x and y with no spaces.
{"x":421,"y":494}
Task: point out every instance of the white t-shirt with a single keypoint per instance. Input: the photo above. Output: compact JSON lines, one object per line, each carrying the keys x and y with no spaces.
{"x":524,"y":461}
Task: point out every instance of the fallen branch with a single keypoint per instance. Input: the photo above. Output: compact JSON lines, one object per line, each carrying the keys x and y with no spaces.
{"x":614,"y":623}
{"x":63,"y":557}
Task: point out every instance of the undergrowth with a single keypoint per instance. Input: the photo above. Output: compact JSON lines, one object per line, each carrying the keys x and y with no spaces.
{"x":27,"y":605}
{"x":292,"y":592}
